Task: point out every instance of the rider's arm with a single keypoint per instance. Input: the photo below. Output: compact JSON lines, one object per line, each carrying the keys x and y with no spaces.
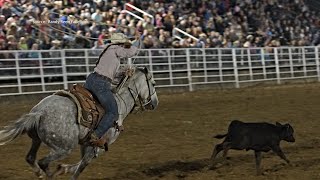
{"x":137,"y":42}
{"x":126,"y":52}
{"x":129,"y":52}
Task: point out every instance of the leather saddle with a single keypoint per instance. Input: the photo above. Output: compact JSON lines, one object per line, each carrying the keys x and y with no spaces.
{"x":92,"y":111}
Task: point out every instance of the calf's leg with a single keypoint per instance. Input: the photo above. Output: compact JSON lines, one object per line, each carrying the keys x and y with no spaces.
{"x":225,"y":146}
{"x":216,"y":150}
{"x":279,"y":152}
{"x":257,"y":155}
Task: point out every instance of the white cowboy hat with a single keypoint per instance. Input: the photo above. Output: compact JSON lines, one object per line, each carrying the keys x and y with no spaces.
{"x":55,"y":41}
{"x":59,"y":3}
{"x":119,"y":38}
{"x":97,"y":1}
{"x":249,"y":37}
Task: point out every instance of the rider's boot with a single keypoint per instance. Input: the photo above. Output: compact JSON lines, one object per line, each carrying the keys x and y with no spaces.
{"x":98,"y":142}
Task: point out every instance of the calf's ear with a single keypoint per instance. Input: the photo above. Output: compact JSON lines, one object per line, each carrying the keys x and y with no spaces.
{"x":278,"y":124}
{"x":288,"y":125}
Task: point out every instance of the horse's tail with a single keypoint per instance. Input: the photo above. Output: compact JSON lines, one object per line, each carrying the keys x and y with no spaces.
{"x":21,"y":126}
{"x":220,"y":136}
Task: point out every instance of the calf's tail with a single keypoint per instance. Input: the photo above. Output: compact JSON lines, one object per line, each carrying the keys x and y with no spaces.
{"x":21,"y":126}
{"x":220,"y":136}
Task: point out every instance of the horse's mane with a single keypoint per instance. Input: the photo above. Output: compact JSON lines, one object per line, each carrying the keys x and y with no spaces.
{"x":142,"y":69}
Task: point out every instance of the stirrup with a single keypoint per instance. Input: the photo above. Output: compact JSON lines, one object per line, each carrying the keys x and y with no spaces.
{"x":117,"y":127}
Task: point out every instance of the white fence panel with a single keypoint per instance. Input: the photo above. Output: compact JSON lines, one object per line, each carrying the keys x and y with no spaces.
{"x":30,"y":72}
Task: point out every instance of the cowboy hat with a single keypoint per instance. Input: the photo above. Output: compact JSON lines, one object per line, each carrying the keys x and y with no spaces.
{"x":249,"y":37}
{"x":119,"y":38}
{"x":55,"y":41}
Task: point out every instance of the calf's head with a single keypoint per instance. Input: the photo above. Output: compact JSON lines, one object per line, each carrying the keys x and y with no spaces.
{"x":286,"y":132}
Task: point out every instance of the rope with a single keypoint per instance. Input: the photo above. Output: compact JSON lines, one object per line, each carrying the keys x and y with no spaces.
{"x":140,"y":43}
{"x":42,"y":32}
{"x":100,"y":23}
{"x":73,"y":33}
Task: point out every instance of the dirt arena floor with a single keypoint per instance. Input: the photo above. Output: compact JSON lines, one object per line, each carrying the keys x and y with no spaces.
{"x":175,"y":141}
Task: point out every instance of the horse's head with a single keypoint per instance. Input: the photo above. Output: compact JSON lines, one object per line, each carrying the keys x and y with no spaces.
{"x":144,"y":90}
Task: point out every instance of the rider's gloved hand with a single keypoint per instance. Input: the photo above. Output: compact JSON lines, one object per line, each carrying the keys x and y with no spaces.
{"x":129,"y":72}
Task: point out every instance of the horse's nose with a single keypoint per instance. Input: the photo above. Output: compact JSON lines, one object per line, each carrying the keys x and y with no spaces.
{"x":150,"y":106}
{"x":154,"y":102}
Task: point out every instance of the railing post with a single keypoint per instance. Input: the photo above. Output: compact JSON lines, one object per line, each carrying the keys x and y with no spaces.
{"x":205,"y":65}
{"x":220,"y":65}
{"x":64,"y":69}
{"x":18,"y":72}
{"x":304,"y":61}
{"x":136,"y":16}
{"x":291,"y":62}
{"x":150,"y":60}
{"x":170,"y":68}
{"x":189,"y":70}
{"x":203,"y":45}
{"x":250,"y":64}
{"x":184,"y":33}
{"x":242,"y":56}
{"x":317,"y":61}
{"x":263,"y":62}
{"x":235,"y":68}
{"x":141,"y":11}
{"x":87,"y":61}
{"x":129,"y":61}
{"x":41,"y":72}
{"x":276,"y":59}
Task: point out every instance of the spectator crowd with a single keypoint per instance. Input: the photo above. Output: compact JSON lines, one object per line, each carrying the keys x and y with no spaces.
{"x":48,"y":24}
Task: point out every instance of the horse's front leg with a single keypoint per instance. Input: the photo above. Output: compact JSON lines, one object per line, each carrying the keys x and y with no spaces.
{"x":89,"y":154}
{"x":53,"y":156}
{"x":69,"y":168}
{"x":66,"y":168}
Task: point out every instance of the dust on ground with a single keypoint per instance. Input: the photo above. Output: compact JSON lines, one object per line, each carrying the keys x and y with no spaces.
{"x":175,"y":141}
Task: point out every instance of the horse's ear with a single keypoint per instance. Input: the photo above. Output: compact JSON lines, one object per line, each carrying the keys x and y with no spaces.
{"x":145,"y":70}
{"x":278,"y":124}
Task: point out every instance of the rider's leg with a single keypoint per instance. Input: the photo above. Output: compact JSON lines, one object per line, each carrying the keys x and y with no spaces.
{"x":101,"y":88}
{"x":109,"y":103}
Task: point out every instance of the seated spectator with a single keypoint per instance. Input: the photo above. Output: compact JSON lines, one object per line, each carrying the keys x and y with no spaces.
{"x":12,"y":43}
{"x":223,"y":22}
{"x":34,"y":55}
{"x":96,"y":17}
{"x":56,"y":45}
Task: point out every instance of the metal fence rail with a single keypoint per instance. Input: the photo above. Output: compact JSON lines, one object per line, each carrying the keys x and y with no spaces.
{"x":30,"y":72}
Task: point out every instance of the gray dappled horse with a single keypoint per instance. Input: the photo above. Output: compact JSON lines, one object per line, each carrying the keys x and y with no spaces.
{"x":53,"y":121}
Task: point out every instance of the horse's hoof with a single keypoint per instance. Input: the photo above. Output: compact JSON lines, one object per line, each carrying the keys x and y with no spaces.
{"x":61,"y":169}
{"x":40,"y":174}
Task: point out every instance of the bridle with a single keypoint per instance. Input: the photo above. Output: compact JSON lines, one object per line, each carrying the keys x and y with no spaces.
{"x":139,"y":102}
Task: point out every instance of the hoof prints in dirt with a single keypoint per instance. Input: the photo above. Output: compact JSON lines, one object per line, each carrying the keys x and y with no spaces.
{"x":176,"y":166}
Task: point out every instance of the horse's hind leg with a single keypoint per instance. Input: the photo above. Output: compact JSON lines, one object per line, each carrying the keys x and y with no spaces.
{"x":32,"y":155}
{"x":53,"y":156}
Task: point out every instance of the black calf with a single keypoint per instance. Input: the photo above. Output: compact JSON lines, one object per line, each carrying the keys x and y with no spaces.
{"x":260,"y":137}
